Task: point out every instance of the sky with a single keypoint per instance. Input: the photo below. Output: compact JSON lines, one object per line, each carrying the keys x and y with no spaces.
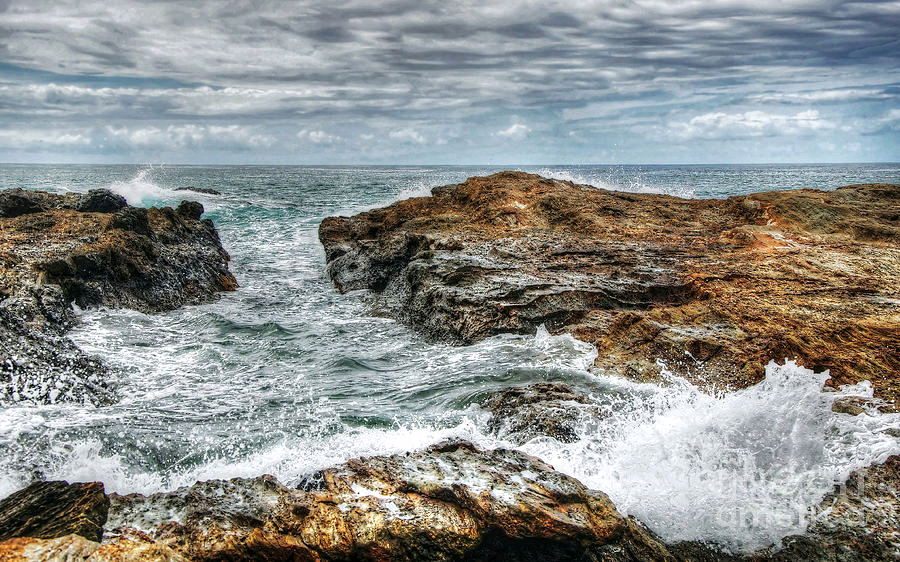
{"x":449,"y":81}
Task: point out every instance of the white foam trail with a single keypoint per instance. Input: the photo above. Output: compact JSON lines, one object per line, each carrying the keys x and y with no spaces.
{"x":743,"y":469}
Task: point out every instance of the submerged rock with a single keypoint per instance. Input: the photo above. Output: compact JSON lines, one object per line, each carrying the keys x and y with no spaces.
{"x":91,"y":250}
{"x":203,"y":190}
{"x":543,"y":409}
{"x":713,"y":289}
{"x":48,"y":510}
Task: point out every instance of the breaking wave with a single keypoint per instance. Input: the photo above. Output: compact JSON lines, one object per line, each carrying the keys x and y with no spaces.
{"x":743,"y":469}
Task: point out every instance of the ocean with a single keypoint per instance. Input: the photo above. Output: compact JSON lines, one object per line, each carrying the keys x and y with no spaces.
{"x":286,"y":376}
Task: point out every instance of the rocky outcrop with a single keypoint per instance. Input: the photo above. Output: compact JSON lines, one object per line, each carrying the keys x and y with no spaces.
{"x":50,"y":510}
{"x":90,"y":249}
{"x":450,"y":502}
{"x":203,"y":190}
{"x":543,"y":409}
{"x":712,"y":288}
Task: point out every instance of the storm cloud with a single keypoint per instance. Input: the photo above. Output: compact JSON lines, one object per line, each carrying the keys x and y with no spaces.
{"x":449,"y":82}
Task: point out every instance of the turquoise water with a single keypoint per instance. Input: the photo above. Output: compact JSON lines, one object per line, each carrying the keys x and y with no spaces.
{"x":286,"y":376}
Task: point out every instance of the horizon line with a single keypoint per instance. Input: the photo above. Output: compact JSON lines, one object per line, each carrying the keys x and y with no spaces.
{"x":411,"y":165}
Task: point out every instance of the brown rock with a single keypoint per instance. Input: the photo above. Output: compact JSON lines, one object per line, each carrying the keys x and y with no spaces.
{"x":92,"y":250}
{"x":713,"y":288}
{"x":50,"y":510}
{"x":131,"y":547}
{"x":450,"y":502}
{"x":551,"y":409}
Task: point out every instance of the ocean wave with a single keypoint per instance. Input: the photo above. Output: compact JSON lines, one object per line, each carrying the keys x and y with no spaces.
{"x":743,"y":469}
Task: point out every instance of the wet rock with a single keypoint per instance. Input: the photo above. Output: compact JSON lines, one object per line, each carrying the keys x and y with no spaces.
{"x":190,"y":209}
{"x":18,"y":202}
{"x":450,"y":502}
{"x":543,"y":409}
{"x":91,"y":250}
{"x":859,"y":521}
{"x":54,"y":509}
{"x":134,"y":547}
{"x":132,"y":219}
{"x":101,"y":201}
{"x":204,"y":190}
{"x":713,"y":289}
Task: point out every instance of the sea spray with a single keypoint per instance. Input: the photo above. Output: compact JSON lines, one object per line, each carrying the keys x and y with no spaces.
{"x":630,"y":179}
{"x":141,"y":190}
{"x":742,"y":469}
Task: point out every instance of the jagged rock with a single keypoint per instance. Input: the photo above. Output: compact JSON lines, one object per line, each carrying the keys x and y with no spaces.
{"x":132,"y":547}
{"x":49,"y":510}
{"x":543,"y":409}
{"x":450,"y":502}
{"x":204,"y":190}
{"x":101,"y":201}
{"x":17,"y":202}
{"x":92,"y":250}
{"x":190,"y":209}
{"x":715,"y":289}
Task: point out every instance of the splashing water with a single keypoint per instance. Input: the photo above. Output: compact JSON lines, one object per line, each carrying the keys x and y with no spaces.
{"x":629,"y":179}
{"x":743,"y":469}
{"x":141,"y":190}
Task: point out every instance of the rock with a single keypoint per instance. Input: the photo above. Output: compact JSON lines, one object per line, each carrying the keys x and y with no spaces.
{"x":713,"y":289}
{"x":92,"y":250}
{"x":132,"y":547}
{"x":131,"y":219}
{"x":450,"y":502}
{"x":101,"y":201}
{"x":190,"y":209}
{"x":860,"y":521}
{"x":204,"y":190}
{"x":50,"y":510}
{"x":18,"y":202}
{"x":543,"y":409}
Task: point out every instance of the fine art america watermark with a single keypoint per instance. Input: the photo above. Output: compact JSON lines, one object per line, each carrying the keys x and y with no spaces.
{"x":846,"y":499}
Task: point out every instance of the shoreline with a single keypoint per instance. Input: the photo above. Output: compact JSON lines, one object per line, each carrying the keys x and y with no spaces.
{"x":252,"y":530}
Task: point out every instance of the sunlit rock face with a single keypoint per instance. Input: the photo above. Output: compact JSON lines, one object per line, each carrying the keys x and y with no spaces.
{"x":449,"y":502}
{"x":713,"y":289}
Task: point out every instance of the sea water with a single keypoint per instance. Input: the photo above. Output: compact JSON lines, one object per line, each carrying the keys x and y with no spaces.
{"x":285,"y":376}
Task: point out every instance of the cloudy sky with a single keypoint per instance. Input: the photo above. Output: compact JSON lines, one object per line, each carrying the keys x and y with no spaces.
{"x":449,"y":81}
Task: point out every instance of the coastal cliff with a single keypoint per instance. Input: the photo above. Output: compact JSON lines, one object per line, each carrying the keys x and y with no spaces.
{"x":711,"y":290}
{"x":90,"y":250}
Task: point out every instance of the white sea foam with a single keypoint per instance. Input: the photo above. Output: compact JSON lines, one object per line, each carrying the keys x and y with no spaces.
{"x":743,"y":469}
{"x":142,"y":190}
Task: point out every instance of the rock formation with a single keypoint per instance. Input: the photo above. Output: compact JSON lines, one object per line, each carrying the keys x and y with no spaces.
{"x":91,"y":250}
{"x":55,"y":509}
{"x":714,"y":289}
{"x":450,"y":502}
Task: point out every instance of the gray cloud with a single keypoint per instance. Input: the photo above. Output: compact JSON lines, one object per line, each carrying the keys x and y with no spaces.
{"x":429,"y":78}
